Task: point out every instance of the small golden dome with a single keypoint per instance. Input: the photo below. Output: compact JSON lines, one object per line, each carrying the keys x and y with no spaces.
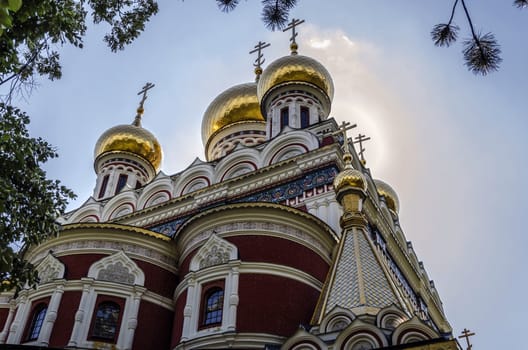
{"x":236,"y":104}
{"x":350,"y":177}
{"x":391,"y":198}
{"x":130,"y":138}
{"x":295,"y":68}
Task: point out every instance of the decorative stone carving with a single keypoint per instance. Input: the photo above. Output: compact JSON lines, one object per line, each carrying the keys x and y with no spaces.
{"x":49,"y":269}
{"x":215,"y":251}
{"x":116,"y":273}
{"x":117,"y":268}
{"x":216,"y":256}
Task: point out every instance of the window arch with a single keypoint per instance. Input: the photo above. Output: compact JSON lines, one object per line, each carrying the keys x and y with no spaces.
{"x":213,"y":307}
{"x":37,"y":320}
{"x":106,"y":321}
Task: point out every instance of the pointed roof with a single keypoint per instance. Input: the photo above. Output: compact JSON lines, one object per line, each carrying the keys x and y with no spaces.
{"x":357,"y":280}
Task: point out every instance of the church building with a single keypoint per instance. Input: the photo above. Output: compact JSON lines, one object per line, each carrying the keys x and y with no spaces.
{"x":281,"y":238}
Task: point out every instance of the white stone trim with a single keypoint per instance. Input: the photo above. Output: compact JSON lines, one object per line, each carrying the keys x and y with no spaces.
{"x":51,"y":314}
{"x":23,"y":306}
{"x":265,"y":269}
{"x":85,"y":312}
{"x":214,"y":252}
{"x":127,"y":270}
{"x":193,"y":282}
{"x":49,"y":269}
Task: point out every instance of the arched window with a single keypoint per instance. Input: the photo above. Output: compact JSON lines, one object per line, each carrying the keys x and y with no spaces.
{"x":103,"y":186}
{"x":305,"y":117}
{"x":213,"y":307}
{"x":121,"y":182}
{"x":36,"y":323}
{"x":106,"y":321}
{"x":284,"y":117}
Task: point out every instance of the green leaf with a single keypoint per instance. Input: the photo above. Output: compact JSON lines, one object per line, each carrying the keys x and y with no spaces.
{"x":5,"y":18}
{"x":14,"y":5}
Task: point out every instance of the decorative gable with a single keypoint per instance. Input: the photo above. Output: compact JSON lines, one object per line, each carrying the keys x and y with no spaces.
{"x":117,"y":268}
{"x":215,"y":251}
{"x":50,"y":268}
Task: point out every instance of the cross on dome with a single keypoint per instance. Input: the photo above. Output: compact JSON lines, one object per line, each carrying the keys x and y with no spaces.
{"x":294,"y":23}
{"x":342,"y":131}
{"x":260,"y":57}
{"x":360,"y":139}
{"x":140,"y":109}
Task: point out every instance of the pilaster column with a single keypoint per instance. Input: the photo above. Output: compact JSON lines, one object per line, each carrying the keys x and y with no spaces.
{"x":17,"y":327}
{"x":80,"y":314}
{"x":188,"y":310}
{"x":132,"y":321}
{"x":233,"y":299}
{"x":51,"y":314}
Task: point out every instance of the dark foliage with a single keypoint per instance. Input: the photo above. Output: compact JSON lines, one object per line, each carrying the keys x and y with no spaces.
{"x":29,"y":202}
{"x":521,"y":3}
{"x":482,"y":54}
{"x":444,"y":34}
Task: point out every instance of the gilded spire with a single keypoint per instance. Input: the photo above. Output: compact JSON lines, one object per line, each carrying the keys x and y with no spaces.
{"x":140,"y":109}
{"x":260,"y":58}
{"x":293,"y":45}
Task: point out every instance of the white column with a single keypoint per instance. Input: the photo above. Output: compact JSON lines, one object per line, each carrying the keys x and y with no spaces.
{"x":51,"y":314}
{"x":9,"y":319}
{"x":187,"y":311}
{"x":17,"y":327}
{"x":79,"y":315}
{"x":233,"y":299}
{"x":131,"y":322}
{"x":322,"y":211}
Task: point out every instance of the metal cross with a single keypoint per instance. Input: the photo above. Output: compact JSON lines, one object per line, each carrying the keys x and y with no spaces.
{"x":466,"y":333}
{"x":343,"y":133}
{"x":360,"y":139}
{"x":143,"y":91}
{"x":260,"y":57}
{"x":294,"y":23}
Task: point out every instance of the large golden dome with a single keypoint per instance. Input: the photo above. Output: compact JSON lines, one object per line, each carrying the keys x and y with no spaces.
{"x":391,"y":198}
{"x":236,"y":104}
{"x":133,"y":139}
{"x":295,"y":68}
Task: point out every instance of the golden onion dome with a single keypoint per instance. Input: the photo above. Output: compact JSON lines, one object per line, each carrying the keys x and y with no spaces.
{"x":132,"y":139}
{"x":295,"y":68}
{"x":237,"y":104}
{"x":391,"y":198}
{"x":349,"y":177}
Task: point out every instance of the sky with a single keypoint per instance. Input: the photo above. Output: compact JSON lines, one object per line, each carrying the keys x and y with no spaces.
{"x":450,"y":143}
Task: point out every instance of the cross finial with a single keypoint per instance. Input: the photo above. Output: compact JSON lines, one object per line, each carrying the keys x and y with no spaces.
{"x":140,"y":110}
{"x":466,"y":333}
{"x":260,"y":58}
{"x":360,"y":139}
{"x":342,"y":131}
{"x":294,"y":23}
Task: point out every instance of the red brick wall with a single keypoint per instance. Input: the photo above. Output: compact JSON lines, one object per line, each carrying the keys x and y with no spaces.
{"x":77,"y":265}
{"x":158,"y":280}
{"x":154,"y":327}
{"x":273,"y":304}
{"x":65,"y":319}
